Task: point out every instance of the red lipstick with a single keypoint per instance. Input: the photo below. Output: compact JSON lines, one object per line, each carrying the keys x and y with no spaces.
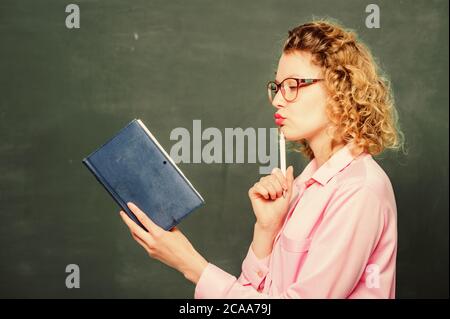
{"x":278,"y":119}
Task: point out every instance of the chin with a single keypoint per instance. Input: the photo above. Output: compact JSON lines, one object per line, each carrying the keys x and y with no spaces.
{"x":289,"y":135}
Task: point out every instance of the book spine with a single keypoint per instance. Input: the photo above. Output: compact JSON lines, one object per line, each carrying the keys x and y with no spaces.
{"x":111,"y":191}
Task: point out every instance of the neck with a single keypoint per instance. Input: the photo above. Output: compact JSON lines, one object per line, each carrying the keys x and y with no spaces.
{"x":321,"y":147}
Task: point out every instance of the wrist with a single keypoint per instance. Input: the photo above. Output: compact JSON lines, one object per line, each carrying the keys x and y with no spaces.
{"x":195,"y":268}
{"x":263,"y":239}
{"x":267,"y":230}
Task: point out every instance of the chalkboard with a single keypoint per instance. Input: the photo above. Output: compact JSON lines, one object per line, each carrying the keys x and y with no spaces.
{"x":65,"y":91}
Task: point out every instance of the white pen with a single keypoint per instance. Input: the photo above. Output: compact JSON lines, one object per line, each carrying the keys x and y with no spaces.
{"x":283,"y":157}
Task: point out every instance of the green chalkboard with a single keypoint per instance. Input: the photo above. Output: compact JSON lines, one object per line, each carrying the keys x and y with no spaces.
{"x":66,"y":91}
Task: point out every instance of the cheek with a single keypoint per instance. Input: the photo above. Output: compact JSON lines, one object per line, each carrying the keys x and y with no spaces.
{"x":308,"y":117}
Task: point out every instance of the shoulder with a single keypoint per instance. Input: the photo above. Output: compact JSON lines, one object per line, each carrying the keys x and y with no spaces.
{"x":363,"y":191}
{"x":364,"y":174}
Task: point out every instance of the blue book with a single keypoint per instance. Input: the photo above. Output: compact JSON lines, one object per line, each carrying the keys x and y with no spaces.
{"x":134,"y":167}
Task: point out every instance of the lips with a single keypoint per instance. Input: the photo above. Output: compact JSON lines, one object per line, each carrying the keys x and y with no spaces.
{"x":278,"y":119}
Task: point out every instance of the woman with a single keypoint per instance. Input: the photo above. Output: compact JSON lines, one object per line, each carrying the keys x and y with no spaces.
{"x":334,"y":232}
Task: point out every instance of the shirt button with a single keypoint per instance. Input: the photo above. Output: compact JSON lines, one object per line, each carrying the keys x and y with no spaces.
{"x":260,"y":273}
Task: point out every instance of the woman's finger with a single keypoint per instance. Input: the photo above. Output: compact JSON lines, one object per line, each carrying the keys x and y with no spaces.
{"x":277,"y":184}
{"x":280,"y":177}
{"x":143,"y":218}
{"x":259,"y":189}
{"x":134,"y":228}
{"x":142,"y":242}
{"x":271,"y":188}
{"x":139,"y":240}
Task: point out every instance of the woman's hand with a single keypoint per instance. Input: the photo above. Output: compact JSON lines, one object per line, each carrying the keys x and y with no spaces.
{"x":269,"y":204}
{"x":170,"y":247}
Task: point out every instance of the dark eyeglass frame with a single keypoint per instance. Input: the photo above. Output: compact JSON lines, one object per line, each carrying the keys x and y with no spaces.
{"x":300,"y":83}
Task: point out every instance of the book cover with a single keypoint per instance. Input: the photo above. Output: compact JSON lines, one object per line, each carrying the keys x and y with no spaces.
{"x":133,"y":167}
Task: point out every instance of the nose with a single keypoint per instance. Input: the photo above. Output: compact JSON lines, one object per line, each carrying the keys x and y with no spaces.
{"x":278,"y":100}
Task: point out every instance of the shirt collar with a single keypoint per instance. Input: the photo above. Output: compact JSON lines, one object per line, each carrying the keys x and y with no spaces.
{"x":336,"y":163}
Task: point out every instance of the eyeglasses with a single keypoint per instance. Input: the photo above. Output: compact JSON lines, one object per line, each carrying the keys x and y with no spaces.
{"x":289,"y":88}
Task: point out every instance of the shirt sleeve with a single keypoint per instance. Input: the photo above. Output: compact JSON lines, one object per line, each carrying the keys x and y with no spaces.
{"x":254,"y":270}
{"x":349,"y":232}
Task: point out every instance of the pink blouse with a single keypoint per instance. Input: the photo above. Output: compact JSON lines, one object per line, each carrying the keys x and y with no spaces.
{"x":339,"y":239}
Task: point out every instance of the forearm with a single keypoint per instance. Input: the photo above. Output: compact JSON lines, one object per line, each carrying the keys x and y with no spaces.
{"x":262,"y":245}
{"x":194,"y":266}
{"x":263,"y":241}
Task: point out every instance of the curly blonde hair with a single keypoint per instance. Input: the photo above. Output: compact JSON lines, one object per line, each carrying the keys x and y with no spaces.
{"x":361,"y":104}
